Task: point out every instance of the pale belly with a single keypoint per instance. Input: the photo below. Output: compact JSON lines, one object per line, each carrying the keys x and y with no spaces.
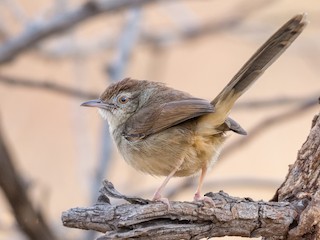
{"x":159,"y":154}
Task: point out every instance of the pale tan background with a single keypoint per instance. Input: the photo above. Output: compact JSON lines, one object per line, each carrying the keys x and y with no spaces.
{"x":57,"y":153}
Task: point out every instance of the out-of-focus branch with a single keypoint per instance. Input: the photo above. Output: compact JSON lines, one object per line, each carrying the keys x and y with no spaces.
{"x":240,"y":12}
{"x":41,"y":30}
{"x":83,"y":48}
{"x":48,"y":86}
{"x":268,"y":122}
{"x":16,"y":10}
{"x":4,"y":31}
{"x":72,"y":92}
{"x":30,"y":220}
{"x":187,"y":30}
{"x":276,"y":102}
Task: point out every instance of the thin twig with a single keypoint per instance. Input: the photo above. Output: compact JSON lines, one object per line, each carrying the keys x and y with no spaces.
{"x":83,"y":48}
{"x":268,"y":122}
{"x":58,"y":24}
{"x":188,"y":29}
{"x":72,"y":92}
{"x":16,"y":10}
{"x":275,"y":101}
{"x":48,"y":86}
{"x":240,"y":12}
{"x":37,"y":31}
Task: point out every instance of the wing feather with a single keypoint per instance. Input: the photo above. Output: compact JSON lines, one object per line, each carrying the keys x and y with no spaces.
{"x":148,"y":121}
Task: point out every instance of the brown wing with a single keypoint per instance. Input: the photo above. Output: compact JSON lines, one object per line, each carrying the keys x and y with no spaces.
{"x":149,"y":121}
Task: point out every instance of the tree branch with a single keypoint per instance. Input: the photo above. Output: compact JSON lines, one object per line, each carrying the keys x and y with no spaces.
{"x":302,"y":186}
{"x":48,"y":86}
{"x":38,"y":31}
{"x":240,"y":13}
{"x":270,"y":121}
{"x":184,"y":220}
{"x":58,"y":24}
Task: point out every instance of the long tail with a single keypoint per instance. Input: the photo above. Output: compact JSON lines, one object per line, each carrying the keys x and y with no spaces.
{"x":256,"y":65}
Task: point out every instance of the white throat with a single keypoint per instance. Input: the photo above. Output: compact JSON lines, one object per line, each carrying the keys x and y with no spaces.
{"x":106,"y":115}
{"x":103,"y":113}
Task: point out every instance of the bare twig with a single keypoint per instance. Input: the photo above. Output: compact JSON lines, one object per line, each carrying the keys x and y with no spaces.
{"x":58,"y":24}
{"x":16,"y":10}
{"x":72,"y":92}
{"x":188,"y":29}
{"x":30,"y":220}
{"x":37,"y":31}
{"x":276,"y":101}
{"x":83,"y":48}
{"x":241,"y":12}
{"x":126,"y":44}
{"x":268,"y":122}
{"x":48,"y":86}
{"x":180,"y":14}
{"x":4,"y":30}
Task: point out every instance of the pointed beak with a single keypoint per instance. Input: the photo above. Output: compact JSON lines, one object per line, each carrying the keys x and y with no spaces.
{"x":97,"y":103}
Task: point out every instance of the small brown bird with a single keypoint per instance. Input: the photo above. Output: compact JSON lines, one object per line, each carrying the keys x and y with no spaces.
{"x":166,"y":132}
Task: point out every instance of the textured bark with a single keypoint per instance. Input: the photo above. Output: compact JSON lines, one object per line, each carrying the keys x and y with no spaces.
{"x":184,"y":220}
{"x":293,"y":213}
{"x":302,"y":187}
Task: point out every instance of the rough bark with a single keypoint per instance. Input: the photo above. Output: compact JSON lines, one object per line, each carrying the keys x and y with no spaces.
{"x":144,"y":219}
{"x":302,"y":187}
{"x":293,"y":213}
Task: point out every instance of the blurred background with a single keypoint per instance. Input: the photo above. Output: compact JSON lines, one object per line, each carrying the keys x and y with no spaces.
{"x":56,"y":54}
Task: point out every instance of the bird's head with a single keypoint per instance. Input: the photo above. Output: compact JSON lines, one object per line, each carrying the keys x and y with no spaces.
{"x":122,"y":99}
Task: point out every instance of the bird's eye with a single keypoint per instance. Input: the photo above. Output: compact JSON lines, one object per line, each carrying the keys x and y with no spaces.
{"x":123,"y":99}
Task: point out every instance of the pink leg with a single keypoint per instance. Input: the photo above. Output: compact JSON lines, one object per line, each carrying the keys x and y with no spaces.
{"x":157,"y":195}
{"x":197,"y":195}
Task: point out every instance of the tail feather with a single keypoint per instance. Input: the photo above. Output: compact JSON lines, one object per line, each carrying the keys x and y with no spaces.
{"x":256,"y":65}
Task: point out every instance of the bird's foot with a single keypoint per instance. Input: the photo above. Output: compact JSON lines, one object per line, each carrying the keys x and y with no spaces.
{"x":205,"y":199}
{"x":159,"y":198}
